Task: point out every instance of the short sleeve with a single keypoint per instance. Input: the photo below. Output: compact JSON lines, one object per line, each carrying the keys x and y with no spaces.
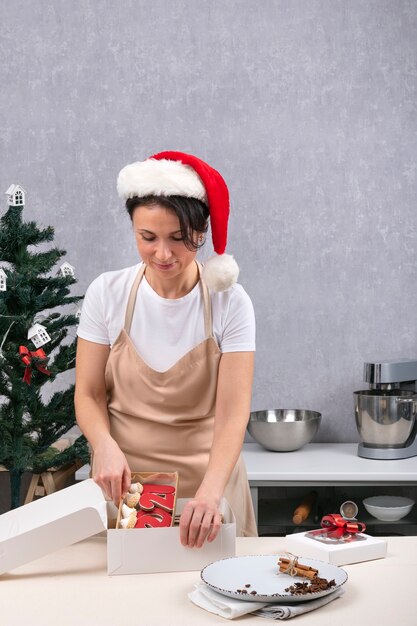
{"x":92,"y":324}
{"x":239,"y":323}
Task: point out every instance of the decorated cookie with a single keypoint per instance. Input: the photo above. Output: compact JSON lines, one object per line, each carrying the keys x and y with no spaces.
{"x":127,"y":511}
{"x":129,"y":522}
{"x":157,"y":519}
{"x":149,"y":488}
{"x":163,"y":501}
{"x":132,"y":499}
{"x":136,"y":488}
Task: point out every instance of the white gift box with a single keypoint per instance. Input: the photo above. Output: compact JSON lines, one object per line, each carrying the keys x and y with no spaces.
{"x":337,"y":554}
{"x":70,"y":515}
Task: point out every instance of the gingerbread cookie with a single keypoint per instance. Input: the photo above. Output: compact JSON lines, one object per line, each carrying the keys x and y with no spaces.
{"x":129,"y":522}
{"x":157,"y":519}
{"x":127,"y":510}
{"x":136,"y":488}
{"x":132,"y":499}
{"x":164,"y":501}
{"x":149,"y":488}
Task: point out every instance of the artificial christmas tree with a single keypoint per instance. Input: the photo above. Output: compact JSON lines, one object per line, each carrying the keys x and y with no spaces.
{"x":29,"y":424}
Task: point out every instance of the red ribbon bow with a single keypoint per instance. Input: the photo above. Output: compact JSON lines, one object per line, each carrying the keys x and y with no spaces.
{"x":27,"y":357}
{"x":337,"y":526}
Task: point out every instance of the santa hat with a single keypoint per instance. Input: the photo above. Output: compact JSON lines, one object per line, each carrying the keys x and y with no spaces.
{"x":180,"y":174}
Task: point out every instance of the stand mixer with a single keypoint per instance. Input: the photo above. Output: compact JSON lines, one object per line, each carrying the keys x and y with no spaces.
{"x":386,"y":414}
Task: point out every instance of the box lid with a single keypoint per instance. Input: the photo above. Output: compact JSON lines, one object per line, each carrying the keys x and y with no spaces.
{"x":51,"y":523}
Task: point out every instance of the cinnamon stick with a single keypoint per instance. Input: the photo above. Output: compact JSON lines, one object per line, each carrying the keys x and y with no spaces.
{"x":283,"y":559}
{"x":304,"y":573}
{"x":301,"y":569}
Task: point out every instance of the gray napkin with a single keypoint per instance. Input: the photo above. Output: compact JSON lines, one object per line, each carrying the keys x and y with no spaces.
{"x":281,"y":611}
{"x":231,"y":608}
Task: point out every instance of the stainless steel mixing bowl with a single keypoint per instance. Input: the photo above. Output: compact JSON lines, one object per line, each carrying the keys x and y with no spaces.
{"x":283,"y":430}
{"x":385,"y":418}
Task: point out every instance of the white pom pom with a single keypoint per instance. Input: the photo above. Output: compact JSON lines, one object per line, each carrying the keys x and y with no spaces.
{"x":220,"y":272}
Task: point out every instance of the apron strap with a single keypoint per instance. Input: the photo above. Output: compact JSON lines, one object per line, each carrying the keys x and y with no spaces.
{"x":208,"y":321}
{"x":132,"y":298}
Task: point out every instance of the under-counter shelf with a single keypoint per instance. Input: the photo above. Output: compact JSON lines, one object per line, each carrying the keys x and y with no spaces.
{"x":326,"y":466}
{"x":275,"y":513}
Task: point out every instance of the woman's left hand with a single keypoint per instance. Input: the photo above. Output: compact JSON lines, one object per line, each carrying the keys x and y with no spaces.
{"x":200,"y":520}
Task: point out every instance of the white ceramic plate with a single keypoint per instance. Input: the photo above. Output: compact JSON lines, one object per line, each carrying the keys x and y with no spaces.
{"x":262,"y":573}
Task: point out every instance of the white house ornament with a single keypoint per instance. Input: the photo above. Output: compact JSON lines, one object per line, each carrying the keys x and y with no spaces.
{"x":67,"y":269}
{"x":16,"y":195}
{"x":3,"y":280}
{"x":38,"y":335}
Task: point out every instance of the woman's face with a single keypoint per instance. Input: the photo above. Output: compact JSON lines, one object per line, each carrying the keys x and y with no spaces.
{"x":158,"y":238}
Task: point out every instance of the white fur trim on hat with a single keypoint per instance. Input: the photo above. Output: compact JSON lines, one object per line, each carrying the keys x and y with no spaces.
{"x":220,"y":272}
{"x":160,"y":178}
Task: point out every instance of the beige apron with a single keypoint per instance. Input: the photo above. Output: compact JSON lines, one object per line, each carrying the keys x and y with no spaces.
{"x":164,"y":420}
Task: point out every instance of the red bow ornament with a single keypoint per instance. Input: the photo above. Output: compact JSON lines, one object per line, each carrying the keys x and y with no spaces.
{"x":27,"y":356}
{"x":335,"y":526}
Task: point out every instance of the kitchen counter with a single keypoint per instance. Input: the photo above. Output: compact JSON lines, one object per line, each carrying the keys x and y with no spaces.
{"x":70,"y":587}
{"x":325,"y":463}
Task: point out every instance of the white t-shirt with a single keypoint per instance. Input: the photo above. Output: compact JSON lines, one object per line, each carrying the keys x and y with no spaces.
{"x":163,"y":330}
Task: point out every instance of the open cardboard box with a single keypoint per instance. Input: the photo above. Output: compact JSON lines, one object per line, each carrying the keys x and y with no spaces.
{"x":80,"y":511}
{"x":169,"y":479}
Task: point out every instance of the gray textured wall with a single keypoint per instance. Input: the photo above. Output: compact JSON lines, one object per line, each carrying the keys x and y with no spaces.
{"x":308,"y":108}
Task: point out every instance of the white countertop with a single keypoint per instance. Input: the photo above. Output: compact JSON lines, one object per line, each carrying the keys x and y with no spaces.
{"x":71,"y":588}
{"x":317,"y":462}
{"x":326,"y":462}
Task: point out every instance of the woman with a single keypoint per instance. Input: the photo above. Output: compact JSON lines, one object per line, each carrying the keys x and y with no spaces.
{"x":166,"y":349}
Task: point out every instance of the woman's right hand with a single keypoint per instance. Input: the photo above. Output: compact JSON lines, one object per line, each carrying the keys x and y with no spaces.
{"x":111,"y":470}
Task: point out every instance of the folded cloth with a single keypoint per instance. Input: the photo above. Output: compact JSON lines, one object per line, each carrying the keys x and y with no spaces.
{"x":286,"y":611}
{"x":208,"y":599}
{"x":230,"y":608}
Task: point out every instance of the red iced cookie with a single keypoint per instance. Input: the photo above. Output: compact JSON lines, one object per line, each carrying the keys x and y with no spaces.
{"x":164,"y":501}
{"x":157,"y":519}
{"x":148,"y":488}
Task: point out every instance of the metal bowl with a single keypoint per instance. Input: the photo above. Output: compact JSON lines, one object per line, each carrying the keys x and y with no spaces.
{"x":283,"y":430}
{"x":385,"y":418}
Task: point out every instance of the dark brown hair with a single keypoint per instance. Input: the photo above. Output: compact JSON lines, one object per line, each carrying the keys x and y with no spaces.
{"x":192,"y":214}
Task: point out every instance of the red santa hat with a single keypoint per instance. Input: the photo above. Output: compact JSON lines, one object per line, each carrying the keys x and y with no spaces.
{"x":180,"y":174}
